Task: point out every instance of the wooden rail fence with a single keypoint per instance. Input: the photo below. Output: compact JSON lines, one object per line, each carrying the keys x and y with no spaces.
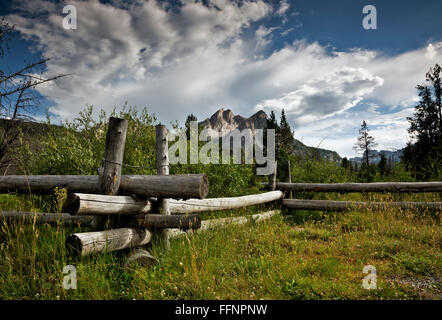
{"x":127,"y":211}
{"x":324,"y":205}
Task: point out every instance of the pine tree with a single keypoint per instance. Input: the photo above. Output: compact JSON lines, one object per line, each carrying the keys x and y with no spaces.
{"x":365,"y":143}
{"x":286,"y":137}
{"x":382,"y":165}
{"x":424,"y":156}
{"x":345,"y":163}
{"x":272,"y":124}
{"x":191,"y":117}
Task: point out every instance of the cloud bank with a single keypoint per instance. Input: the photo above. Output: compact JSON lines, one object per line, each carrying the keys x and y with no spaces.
{"x":196,"y":58}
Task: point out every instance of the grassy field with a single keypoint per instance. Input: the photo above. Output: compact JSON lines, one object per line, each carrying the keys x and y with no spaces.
{"x":297,"y":255}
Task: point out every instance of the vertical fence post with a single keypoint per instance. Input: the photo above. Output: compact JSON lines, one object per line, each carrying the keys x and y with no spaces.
{"x":163,"y":169}
{"x":110,"y":170}
{"x":272,"y":178}
{"x":288,"y":177}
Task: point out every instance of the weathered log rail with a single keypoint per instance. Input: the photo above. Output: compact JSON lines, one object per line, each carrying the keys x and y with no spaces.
{"x":94,"y":204}
{"x":330,"y":205}
{"x":86,"y":243}
{"x":216,"y":204}
{"x":174,"y":186}
{"x":300,"y":204}
{"x":362,"y":187}
{"x":162,"y":221}
{"x":50,"y":218}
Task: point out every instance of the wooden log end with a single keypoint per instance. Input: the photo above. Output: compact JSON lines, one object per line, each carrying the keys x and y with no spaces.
{"x":72,"y":204}
{"x":73,"y":246}
{"x":140,"y":257}
{"x":194,"y":222}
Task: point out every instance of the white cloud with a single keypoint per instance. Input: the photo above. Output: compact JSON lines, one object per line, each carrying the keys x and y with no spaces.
{"x":283,"y":7}
{"x":324,"y":97}
{"x":340,"y":131}
{"x":286,"y":32}
{"x":263,"y":36}
{"x":282,"y":10}
{"x":197,"y":58}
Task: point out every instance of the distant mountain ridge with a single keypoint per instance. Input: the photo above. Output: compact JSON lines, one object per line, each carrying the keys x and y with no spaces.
{"x":222,"y":122}
{"x":375,"y":156}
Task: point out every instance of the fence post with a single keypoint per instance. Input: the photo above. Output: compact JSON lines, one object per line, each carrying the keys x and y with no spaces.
{"x":272,"y":178}
{"x":163,"y":169}
{"x":288,"y":177}
{"x":110,"y":170}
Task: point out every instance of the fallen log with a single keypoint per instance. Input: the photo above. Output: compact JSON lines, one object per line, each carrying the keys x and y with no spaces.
{"x":223,"y":222}
{"x":51,"y":218}
{"x":96,"y":204}
{"x":83,"y":244}
{"x":174,"y":186}
{"x":297,"y":204}
{"x":160,"y":221}
{"x":362,"y":187}
{"x":215,"y":204}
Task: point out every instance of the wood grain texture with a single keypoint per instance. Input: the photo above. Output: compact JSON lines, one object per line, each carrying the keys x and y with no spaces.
{"x":173,"y":186}
{"x":110,"y":172}
{"x":215,"y":204}
{"x":83,"y":244}
{"x":162,"y":157}
{"x":95,"y":204}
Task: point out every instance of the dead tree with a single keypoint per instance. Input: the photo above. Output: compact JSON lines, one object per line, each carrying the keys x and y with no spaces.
{"x":18,"y":98}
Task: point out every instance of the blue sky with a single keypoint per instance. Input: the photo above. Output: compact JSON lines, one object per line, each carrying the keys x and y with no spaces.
{"x":312,"y":58}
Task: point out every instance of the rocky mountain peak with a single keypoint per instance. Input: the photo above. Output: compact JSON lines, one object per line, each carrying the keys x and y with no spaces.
{"x":224,"y":121}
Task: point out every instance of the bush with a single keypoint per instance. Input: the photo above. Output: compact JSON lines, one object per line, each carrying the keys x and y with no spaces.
{"x":318,"y":171}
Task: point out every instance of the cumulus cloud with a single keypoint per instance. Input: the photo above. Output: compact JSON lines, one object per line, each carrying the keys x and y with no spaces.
{"x":195,"y":58}
{"x":326,"y":96}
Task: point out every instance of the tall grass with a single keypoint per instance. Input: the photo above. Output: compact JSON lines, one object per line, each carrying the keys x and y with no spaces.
{"x":298,"y":255}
